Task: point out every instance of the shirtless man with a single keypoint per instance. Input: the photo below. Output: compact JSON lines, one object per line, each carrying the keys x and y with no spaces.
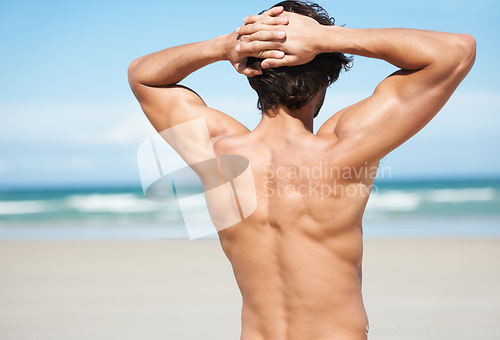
{"x":297,"y":257}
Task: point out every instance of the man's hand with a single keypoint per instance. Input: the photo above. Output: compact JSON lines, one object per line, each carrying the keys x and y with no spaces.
{"x":238,"y":57}
{"x":300,"y":42}
{"x":262,"y":45}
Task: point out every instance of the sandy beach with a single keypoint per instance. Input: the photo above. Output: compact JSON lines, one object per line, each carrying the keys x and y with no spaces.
{"x":413,"y":289}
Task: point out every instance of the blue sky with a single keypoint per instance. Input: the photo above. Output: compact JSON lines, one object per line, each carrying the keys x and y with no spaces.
{"x":68,"y":117}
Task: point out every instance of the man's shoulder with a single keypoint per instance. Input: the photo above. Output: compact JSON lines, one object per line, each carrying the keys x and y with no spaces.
{"x":232,"y":142}
{"x":328,"y":128}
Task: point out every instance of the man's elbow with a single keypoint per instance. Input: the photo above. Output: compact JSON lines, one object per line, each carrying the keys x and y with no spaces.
{"x":131,"y":68}
{"x":466,"y":48}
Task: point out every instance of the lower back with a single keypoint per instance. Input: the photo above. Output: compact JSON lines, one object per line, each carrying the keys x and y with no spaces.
{"x":294,"y":285}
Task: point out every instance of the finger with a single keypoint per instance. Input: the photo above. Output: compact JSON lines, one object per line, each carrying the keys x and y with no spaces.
{"x":275,"y":11}
{"x":253,"y":28}
{"x":274,"y":63}
{"x":249,"y":72}
{"x":252,"y":18}
{"x":256,"y":46}
{"x":269,"y":54}
{"x":264,"y":36}
{"x":281,"y":20}
{"x":246,"y":29}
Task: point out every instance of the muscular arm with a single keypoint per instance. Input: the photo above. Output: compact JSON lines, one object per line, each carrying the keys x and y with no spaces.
{"x":154,"y":77}
{"x":432,"y":64}
{"x":171,"y":65}
{"x":154,"y":80}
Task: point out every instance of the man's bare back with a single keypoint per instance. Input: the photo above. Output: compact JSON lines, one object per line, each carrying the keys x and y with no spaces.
{"x":297,"y":256}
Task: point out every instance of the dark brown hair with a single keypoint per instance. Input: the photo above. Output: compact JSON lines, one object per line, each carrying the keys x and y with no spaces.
{"x":295,"y":86}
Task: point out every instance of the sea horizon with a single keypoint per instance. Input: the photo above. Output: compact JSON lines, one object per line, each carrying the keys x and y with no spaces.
{"x":430,"y":207}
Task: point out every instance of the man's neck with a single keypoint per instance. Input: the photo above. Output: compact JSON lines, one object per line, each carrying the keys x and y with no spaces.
{"x":283,"y":121}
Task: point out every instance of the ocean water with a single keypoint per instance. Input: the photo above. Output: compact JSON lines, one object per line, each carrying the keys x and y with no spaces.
{"x":444,"y":208}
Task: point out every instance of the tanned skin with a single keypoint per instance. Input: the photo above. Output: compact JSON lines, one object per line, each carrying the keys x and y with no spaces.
{"x":297,"y":258}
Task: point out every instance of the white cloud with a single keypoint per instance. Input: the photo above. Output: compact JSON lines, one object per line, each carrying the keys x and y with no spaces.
{"x":72,"y":124}
{"x":131,"y":130}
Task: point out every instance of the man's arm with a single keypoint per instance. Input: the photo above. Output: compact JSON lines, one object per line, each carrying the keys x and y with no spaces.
{"x":154,"y":78}
{"x":432,"y":66}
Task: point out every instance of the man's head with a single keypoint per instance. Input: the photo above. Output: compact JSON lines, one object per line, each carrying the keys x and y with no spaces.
{"x":295,"y":86}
